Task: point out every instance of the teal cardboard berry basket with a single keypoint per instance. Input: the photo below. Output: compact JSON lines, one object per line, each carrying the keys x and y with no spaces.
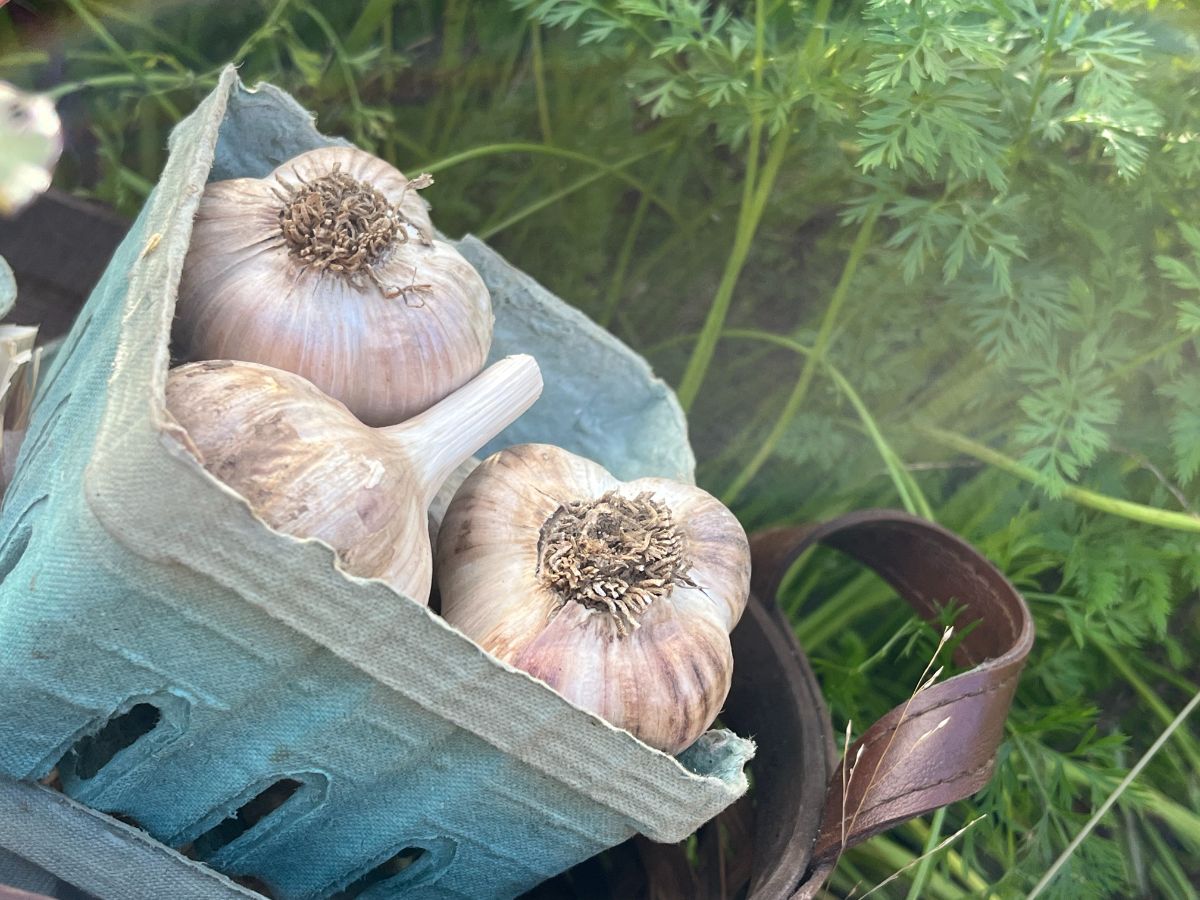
{"x":180,"y":664}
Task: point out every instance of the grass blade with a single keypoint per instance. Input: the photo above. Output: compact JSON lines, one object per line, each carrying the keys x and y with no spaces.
{"x":1100,"y":813}
{"x":1137,"y":512}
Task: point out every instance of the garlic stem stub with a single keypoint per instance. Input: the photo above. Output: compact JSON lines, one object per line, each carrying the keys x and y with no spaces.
{"x":328,"y":268}
{"x":619,"y":595}
{"x":309,"y":468}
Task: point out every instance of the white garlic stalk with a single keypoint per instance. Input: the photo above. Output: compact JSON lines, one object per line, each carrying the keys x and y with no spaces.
{"x":619,"y":595}
{"x":308,"y":468}
{"x":327,"y":268}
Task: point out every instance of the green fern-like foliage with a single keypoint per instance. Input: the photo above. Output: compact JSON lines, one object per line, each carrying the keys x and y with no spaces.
{"x":1033,"y":282}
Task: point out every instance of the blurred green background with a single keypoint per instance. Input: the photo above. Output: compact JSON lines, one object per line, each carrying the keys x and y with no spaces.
{"x":941,"y":255}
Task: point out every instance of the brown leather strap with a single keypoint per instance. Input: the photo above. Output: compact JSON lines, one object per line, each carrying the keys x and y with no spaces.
{"x":776,"y":698}
{"x":940,"y":746}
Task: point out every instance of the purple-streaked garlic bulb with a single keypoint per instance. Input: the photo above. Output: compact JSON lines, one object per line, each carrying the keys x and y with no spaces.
{"x":328,"y":268}
{"x":309,"y":468}
{"x":619,"y":595}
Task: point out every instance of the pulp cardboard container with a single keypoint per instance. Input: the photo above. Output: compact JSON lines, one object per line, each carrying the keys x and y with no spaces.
{"x":234,"y":693}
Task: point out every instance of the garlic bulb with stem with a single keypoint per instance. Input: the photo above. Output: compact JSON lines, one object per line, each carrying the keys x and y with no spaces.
{"x":328,"y":268}
{"x":619,"y":595}
{"x":308,"y":468}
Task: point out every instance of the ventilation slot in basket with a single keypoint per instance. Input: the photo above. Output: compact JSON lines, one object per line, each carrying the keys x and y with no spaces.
{"x":391,"y":868}
{"x":12,"y":553}
{"x":17,"y":541}
{"x":93,"y":752}
{"x":248,"y":815}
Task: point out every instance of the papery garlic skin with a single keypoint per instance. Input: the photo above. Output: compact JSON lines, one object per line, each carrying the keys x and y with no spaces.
{"x":309,"y":468}
{"x":411,"y":324}
{"x":441,"y":500}
{"x":665,"y":678}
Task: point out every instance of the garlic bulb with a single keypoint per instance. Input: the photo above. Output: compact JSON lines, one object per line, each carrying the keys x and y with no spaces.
{"x":619,"y":595}
{"x":309,"y":468}
{"x":327,"y":268}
